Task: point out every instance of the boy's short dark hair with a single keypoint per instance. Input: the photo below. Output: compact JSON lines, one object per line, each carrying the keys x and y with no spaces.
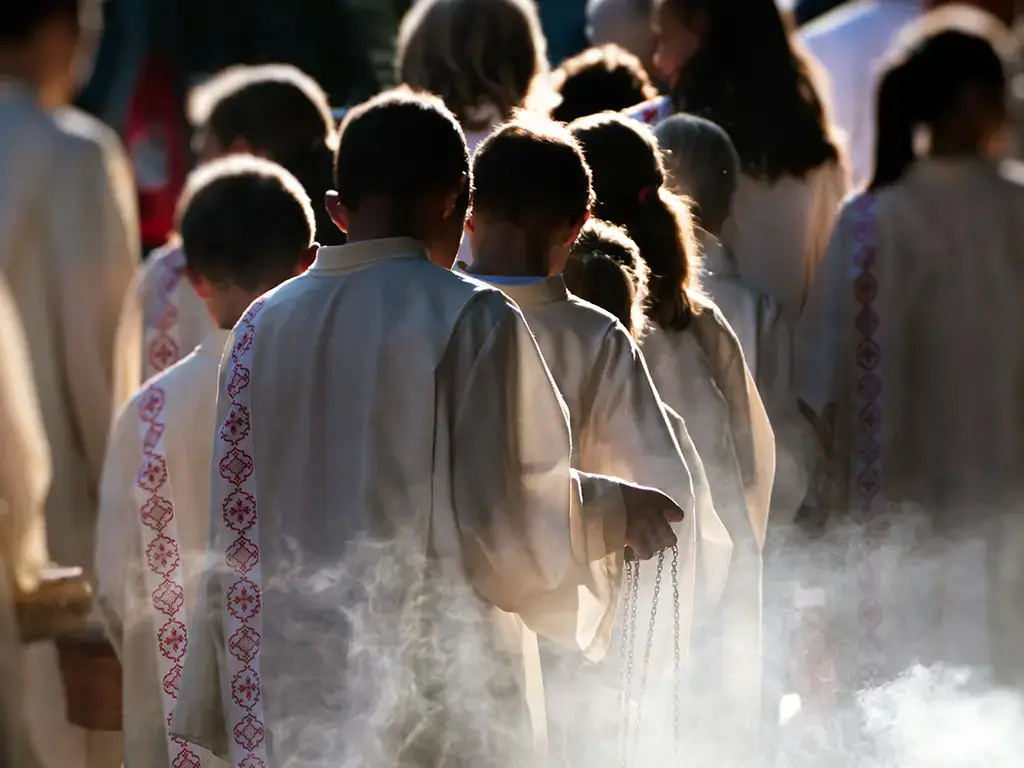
{"x":244,"y":221}
{"x":21,"y":18}
{"x":532,"y":166}
{"x":399,"y":145}
{"x":601,"y":79}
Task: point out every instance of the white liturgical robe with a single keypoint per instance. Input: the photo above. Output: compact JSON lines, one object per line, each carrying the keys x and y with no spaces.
{"x":392,"y":484}
{"x":701,"y":374}
{"x":143,"y":597}
{"x":161,"y":320}
{"x":917,"y":337}
{"x":24,"y":482}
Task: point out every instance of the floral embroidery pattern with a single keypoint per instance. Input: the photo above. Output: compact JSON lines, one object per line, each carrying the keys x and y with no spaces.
{"x":238,"y":529}
{"x":163,"y":576}
{"x":162,"y":342}
{"x":867,"y":503}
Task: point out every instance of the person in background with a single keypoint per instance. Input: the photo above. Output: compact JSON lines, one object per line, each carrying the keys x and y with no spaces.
{"x":274,"y":111}
{"x":426,"y":461}
{"x":599,"y":79}
{"x":921,"y":412}
{"x":697,"y":364}
{"x":69,"y":247}
{"x":741,"y":71}
{"x":24,"y":482}
{"x":605,"y":269}
{"x":626,"y":23}
{"x":484,"y":58}
{"x":246,"y":225}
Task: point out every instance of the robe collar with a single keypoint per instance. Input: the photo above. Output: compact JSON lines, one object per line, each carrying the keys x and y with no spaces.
{"x":716,"y":257}
{"x":343,"y":258}
{"x":547,"y":290}
{"x":213,"y":343}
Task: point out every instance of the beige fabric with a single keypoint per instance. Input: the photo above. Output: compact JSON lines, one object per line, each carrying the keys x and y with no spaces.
{"x":409,"y":449}
{"x":950,"y":336}
{"x":147,"y":299}
{"x":757,"y":321}
{"x":68,"y":248}
{"x":190,"y":389}
{"x":779,"y":231}
{"x":24,"y":483}
{"x":700,"y":373}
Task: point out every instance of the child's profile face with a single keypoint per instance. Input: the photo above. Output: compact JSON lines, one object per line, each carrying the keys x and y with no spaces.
{"x":676,"y":42}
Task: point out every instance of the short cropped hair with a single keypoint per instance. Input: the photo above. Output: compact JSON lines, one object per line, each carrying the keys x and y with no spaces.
{"x":244,"y":221}
{"x":604,"y":78}
{"x":21,"y":18}
{"x":605,"y":268}
{"x":702,"y":165}
{"x":532,"y":167}
{"x":399,"y":145}
{"x":474,"y":54}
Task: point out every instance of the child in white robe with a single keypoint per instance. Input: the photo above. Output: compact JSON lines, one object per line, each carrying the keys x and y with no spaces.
{"x":485,"y":60}
{"x":697,"y":364}
{"x":24,"y":482}
{"x":923,"y":411}
{"x":395,"y":511}
{"x":246,"y":225}
{"x":273,"y":111}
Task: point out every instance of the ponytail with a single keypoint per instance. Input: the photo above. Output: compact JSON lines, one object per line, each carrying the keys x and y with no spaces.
{"x":895,"y":126}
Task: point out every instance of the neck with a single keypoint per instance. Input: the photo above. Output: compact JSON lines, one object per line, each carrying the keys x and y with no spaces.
{"x":16,"y":65}
{"x":509,"y":250}
{"x":378,"y":220}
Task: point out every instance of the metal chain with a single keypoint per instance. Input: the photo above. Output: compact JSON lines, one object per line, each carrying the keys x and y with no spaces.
{"x":676,"y":682}
{"x":645,"y":668}
{"x":632,"y":585}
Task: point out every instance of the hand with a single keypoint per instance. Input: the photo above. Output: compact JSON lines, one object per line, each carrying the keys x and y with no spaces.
{"x":649,"y":514}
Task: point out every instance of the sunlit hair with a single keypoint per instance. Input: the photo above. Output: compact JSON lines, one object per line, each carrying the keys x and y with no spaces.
{"x":532,"y":169}
{"x":751,"y":79}
{"x":400,"y":145}
{"x":702,"y":166}
{"x":244,"y":221}
{"x":605,"y":269}
{"x":603,"y":78}
{"x":482,"y":57}
{"x":928,"y":72}
{"x":629,"y":181}
{"x":280,"y":112}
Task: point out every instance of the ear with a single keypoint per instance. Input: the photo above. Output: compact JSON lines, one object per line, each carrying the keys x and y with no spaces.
{"x":574,"y":233}
{"x":471,"y":223}
{"x":199,"y":283}
{"x":337,"y":211}
{"x":307,"y":258}
{"x":451,"y":199}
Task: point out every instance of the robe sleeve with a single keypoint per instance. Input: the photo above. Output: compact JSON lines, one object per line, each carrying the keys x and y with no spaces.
{"x":94,"y":234}
{"x":819,"y":332}
{"x":128,"y":342}
{"x":829,"y":185}
{"x":25,"y":468}
{"x":538,"y":539}
{"x":753,"y":438}
{"x":117,"y":571}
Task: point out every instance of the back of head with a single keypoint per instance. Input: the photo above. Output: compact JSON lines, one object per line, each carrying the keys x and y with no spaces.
{"x":278,"y":111}
{"x":749,"y":78}
{"x":244,"y":222}
{"x":400,"y":146}
{"x":605,"y":269}
{"x":931,"y":73}
{"x":702,"y":165}
{"x":604,"y":78}
{"x":531,"y":172}
{"x":480,"y":56}
{"x":22,"y":18}
{"x":629,"y":181}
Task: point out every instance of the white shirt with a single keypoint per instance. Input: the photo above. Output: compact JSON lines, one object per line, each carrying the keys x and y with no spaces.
{"x":851,"y":42}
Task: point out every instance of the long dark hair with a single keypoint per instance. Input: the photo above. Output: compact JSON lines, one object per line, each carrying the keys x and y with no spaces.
{"x":923,"y":85}
{"x":629,"y":182}
{"x":749,"y":78}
